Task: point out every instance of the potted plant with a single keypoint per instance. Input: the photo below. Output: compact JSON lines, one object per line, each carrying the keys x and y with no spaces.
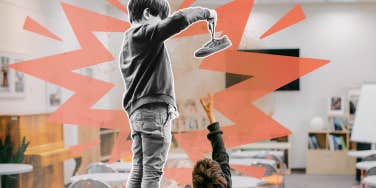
{"x":7,"y":156}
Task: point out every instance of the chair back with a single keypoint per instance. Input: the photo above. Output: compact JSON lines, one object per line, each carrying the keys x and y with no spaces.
{"x":270,"y":170}
{"x":89,"y":183}
{"x":282,"y":166}
{"x":100,"y":168}
{"x":370,"y":158}
{"x":371,"y":172}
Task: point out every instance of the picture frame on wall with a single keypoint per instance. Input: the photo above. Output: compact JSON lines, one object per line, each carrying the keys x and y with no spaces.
{"x":336,"y":106}
{"x":12,"y":82}
{"x":54,"y":97}
{"x":57,"y":95}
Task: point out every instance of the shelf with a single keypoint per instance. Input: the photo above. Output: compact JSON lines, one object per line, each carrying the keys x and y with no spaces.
{"x":327,"y":162}
{"x":331,"y":158}
{"x":339,"y":132}
{"x":329,"y":132}
{"x":105,"y":158}
{"x":108,"y":132}
{"x":321,"y":150}
{"x":346,"y":150}
{"x":107,"y":141}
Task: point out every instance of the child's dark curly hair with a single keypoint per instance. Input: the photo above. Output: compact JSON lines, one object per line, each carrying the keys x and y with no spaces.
{"x":207,"y":173}
{"x":156,"y":7}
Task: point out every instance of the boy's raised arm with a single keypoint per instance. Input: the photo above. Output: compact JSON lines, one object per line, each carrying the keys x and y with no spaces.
{"x":219,"y":153}
{"x":179,"y":21}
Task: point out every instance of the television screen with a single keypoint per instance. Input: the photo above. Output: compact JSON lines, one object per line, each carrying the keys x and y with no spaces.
{"x":232,"y":79}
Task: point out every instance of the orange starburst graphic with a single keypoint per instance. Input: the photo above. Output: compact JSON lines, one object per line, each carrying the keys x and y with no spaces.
{"x":269,"y":72}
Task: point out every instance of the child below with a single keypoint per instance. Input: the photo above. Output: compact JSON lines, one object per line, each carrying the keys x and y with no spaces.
{"x":215,"y":172}
{"x":150,"y":95}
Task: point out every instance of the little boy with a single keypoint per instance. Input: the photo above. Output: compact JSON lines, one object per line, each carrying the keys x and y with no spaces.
{"x":150,"y":97}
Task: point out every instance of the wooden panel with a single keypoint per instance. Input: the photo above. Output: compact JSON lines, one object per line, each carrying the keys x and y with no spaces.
{"x":34,"y":126}
{"x":326,"y":162}
{"x":44,"y":147}
{"x":88,"y":134}
{"x":46,"y":151}
{"x":9,"y":126}
{"x":107,"y":142}
{"x":47,"y":177}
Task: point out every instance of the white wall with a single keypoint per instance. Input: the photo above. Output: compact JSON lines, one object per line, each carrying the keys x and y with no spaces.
{"x":16,"y":40}
{"x":342,"y":33}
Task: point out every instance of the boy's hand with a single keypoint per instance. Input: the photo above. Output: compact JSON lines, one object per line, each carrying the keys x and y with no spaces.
{"x":212,"y":21}
{"x":212,"y":16}
{"x":207,"y":103}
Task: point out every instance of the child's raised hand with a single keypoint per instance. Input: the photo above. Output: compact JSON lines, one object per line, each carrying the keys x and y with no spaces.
{"x":207,"y":103}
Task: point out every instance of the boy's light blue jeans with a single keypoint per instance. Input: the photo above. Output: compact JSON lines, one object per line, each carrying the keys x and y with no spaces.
{"x":151,"y":134}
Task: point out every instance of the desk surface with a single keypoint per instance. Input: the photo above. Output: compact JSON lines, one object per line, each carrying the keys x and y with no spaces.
{"x":250,"y":154}
{"x":244,"y":181}
{"x":362,"y":153}
{"x":370,"y":180}
{"x":11,"y":168}
{"x":252,"y":161}
{"x":121,"y":166}
{"x":267,"y":145}
{"x":366,"y":165}
{"x":105,"y":177}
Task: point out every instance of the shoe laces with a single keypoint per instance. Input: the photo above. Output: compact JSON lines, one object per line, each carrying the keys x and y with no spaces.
{"x":213,"y":43}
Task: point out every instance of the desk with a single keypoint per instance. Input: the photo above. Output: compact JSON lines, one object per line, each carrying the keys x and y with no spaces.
{"x":362,"y":153}
{"x":252,"y":162}
{"x":370,"y":180}
{"x":10,"y":169}
{"x":251,"y":154}
{"x":365,"y":165}
{"x":121,"y":166}
{"x":244,"y":181}
{"x":109,"y":178}
{"x":177,"y":156}
{"x":271,"y":145}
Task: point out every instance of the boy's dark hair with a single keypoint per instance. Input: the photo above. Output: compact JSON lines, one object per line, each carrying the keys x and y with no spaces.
{"x":208,"y":174}
{"x":156,"y":7}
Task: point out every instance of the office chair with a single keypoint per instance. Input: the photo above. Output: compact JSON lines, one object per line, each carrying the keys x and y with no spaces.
{"x":100,"y":168}
{"x":370,"y":158}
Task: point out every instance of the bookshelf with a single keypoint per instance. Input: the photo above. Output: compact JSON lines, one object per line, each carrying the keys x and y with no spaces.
{"x":327,"y":153}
